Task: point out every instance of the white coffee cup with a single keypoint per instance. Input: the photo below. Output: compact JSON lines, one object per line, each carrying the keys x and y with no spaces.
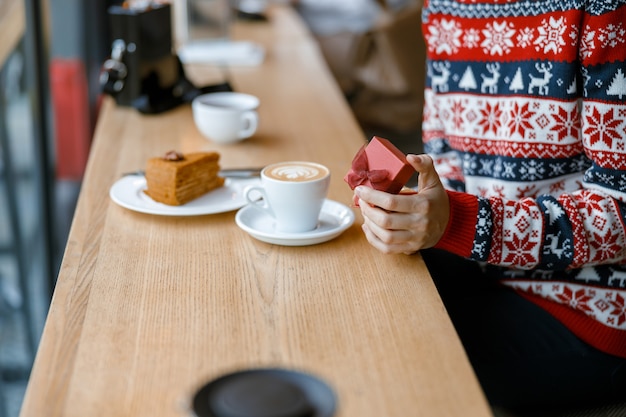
{"x":226,"y":117}
{"x":293,"y":194}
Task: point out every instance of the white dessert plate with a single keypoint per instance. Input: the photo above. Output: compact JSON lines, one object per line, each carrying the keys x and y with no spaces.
{"x":128,"y":192}
{"x":335,"y":218}
{"x":234,"y":53}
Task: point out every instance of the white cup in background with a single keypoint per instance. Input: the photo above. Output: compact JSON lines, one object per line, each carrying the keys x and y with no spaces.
{"x":293,"y":194}
{"x":226,"y":117}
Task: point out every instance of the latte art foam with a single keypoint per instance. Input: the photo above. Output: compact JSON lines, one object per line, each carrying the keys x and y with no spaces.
{"x":296,"y":172}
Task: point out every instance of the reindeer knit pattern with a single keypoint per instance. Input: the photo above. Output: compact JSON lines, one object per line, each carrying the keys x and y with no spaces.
{"x":525,"y":118}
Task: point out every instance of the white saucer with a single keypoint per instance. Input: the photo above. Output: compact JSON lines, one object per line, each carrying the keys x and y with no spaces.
{"x":128,"y":193}
{"x":334,"y":220}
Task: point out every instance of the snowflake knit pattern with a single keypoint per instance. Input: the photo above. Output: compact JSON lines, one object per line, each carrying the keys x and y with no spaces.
{"x":525,"y":118}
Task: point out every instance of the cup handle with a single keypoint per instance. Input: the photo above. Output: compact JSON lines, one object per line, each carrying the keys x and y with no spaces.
{"x":250,"y":122}
{"x":260,"y":204}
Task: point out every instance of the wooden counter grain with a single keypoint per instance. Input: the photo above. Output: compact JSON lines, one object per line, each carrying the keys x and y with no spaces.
{"x":149,"y":308}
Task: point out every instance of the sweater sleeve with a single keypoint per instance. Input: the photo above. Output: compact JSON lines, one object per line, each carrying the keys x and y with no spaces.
{"x":459,"y":235}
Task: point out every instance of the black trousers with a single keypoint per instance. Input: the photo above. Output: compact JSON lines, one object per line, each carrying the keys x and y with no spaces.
{"x":523,"y":357}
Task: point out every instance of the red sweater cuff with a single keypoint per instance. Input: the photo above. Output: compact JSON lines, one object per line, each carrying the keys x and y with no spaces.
{"x":459,"y":235}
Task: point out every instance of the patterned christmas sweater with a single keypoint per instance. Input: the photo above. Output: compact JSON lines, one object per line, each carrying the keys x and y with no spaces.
{"x":525,"y":117}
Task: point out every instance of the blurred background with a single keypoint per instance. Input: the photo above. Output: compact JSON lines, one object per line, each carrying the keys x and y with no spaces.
{"x":51,"y":57}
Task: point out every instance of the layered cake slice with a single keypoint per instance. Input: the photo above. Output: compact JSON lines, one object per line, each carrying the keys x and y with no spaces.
{"x":176,"y":178}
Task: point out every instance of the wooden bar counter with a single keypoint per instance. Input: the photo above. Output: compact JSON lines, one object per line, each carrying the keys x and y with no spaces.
{"x":149,"y":308}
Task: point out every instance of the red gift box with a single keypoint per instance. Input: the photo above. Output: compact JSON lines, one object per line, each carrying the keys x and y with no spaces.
{"x":380,"y":165}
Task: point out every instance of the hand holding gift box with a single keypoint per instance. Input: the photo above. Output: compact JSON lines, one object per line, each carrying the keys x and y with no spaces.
{"x":379,"y":165}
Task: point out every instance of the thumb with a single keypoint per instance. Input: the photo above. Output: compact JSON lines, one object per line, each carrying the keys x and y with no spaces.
{"x":427,"y":176}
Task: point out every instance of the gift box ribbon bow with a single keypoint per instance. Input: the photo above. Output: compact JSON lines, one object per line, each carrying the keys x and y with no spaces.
{"x":361,"y":173}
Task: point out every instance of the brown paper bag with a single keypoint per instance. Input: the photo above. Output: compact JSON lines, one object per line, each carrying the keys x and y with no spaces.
{"x":389,"y":68}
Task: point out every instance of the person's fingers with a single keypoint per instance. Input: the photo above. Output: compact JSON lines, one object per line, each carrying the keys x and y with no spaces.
{"x":376,"y":241}
{"x":427,"y":175}
{"x":391,"y":220}
{"x":402,"y":203}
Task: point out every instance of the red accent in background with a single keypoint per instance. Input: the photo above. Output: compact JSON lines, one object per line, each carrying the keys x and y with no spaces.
{"x":68,"y":87}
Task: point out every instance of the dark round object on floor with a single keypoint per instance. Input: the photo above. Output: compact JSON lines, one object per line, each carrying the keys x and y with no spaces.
{"x":265,"y":393}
